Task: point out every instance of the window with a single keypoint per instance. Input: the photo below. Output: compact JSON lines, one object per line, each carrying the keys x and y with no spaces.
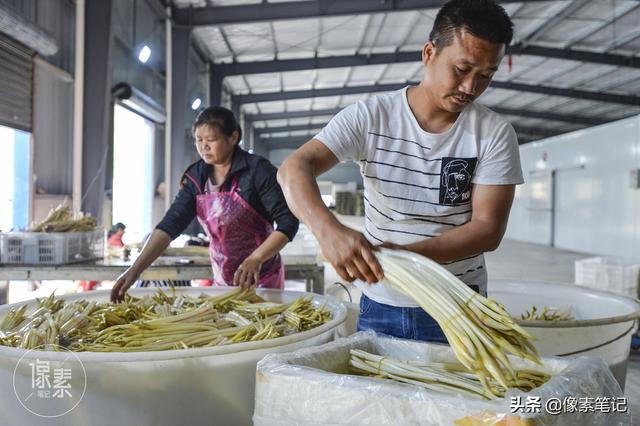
{"x":14,"y":178}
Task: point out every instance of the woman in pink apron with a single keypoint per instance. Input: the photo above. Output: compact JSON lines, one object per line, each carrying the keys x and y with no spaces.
{"x":237,"y":199}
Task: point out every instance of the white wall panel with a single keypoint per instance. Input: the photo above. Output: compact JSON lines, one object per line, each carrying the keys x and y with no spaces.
{"x":596,"y":210}
{"x":52,"y":129}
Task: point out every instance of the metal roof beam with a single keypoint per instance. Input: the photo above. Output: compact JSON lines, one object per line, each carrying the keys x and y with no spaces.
{"x":240,"y":14}
{"x":288,"y":142}
{"x":294,"y":128}
{"x":292,"y":114}
{"x":312,"y":93}
{"x":544,"y":115}
{"x":507,"y":85}
{"x":285,"y":65}
{"x":541,"y":133}
{"x":577,"y":55}
{"x":525,"y":135}
{"x":569,"y":93}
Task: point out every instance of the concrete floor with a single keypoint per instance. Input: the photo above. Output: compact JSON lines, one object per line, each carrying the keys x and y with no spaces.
{"x":517,"y":260}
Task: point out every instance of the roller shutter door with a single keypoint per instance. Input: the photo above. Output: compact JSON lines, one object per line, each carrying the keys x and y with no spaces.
{"x":16,"y":78}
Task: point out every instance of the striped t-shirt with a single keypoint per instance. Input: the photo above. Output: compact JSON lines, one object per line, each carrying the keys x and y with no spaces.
{"x":417,"y":185}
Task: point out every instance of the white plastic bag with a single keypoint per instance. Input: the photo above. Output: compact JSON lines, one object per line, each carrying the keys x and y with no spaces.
{"x":313,"y":387}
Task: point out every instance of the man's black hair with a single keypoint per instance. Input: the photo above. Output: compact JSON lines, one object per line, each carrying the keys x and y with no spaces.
{"x":484,"y":19}
{"x":219,"y":117}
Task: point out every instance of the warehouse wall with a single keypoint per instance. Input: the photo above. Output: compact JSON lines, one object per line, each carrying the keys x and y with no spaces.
{"x":52,"y":111}
{"x":56,"y":17}
{"x":136,"y":23}
{"x":52,"y":129}
{"x":588,"y":205}
{"x":341,"y":173}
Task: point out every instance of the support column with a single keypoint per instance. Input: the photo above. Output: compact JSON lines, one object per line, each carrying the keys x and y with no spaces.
{"x":215,"y":87}
{"x":97,"y":102}
{"x":168,"y":87}
{"x":235,"y":107}
{"x":180,"y":40}
{"x":4,"y":291}
{"x":247,"y":134}
{"x":259,"y":147}
{"x":78,"y":91}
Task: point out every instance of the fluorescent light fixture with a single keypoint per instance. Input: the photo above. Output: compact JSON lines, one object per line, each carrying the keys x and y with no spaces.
{"x":196,"y":104}
{"x":145,"y":54}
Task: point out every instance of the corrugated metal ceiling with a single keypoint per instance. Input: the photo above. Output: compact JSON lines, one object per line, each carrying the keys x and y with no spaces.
{"x":611,"y":26}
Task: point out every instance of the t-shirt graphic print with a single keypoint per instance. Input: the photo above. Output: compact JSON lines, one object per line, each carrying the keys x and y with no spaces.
{"x":455,"y":180}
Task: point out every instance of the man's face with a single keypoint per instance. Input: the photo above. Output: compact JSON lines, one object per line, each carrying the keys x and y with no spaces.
{"x":459,"y":73}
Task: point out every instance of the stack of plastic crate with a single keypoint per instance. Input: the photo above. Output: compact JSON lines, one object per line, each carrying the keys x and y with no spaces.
{"x":50,"y":248}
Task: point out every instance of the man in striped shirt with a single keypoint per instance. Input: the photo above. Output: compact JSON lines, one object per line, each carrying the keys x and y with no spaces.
{"x":439,"y":170}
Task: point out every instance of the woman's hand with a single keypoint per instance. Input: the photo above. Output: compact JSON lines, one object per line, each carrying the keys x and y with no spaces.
{"x":156,"y":244}
{"x":248,"y":273}
{"x":123,"y":283}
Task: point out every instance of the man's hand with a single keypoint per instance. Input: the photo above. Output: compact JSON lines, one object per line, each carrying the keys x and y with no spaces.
{"x":348,"y":251}
{"x":248,"y":273}
{"x":351,"y":255}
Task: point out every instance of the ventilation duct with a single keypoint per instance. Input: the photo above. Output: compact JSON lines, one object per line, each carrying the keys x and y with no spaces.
{"x":138,"y":102}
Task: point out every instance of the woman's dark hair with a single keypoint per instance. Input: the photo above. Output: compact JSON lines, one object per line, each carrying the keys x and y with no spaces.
{"x":115,"y":229}
{"x":484,"y":19}
{"x":219,"y":117}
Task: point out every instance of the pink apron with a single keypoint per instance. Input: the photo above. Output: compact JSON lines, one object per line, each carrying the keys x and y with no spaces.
{"x":235,"y":230}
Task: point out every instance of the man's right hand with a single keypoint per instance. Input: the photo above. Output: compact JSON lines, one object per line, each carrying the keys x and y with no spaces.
{"x":350,"y":254}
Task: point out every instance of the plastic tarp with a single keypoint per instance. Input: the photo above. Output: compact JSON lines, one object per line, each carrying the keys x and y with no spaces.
{"x":313,"y":386}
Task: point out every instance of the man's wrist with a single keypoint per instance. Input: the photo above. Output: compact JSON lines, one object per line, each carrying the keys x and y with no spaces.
{"x":324,"y":224}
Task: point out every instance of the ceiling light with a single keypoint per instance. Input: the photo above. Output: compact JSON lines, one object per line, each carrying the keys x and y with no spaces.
{"x":145,"y":54}
{"x":196,"y":104}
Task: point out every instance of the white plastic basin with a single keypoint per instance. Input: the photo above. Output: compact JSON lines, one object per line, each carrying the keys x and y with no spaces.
{"x":603,"y":326}
{"x":203,"y":386}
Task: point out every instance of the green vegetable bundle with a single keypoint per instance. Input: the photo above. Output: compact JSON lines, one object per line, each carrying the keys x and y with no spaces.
{"x":157,"y":322}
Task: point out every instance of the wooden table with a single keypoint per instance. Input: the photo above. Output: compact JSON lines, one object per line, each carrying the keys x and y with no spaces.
{"x":165,"y":268}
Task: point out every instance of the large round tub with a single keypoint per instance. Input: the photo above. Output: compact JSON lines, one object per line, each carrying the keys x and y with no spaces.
{"x":203,"y":386}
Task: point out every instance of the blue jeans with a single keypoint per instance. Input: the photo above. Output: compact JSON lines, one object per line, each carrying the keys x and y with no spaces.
{"x":405,"y":323}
